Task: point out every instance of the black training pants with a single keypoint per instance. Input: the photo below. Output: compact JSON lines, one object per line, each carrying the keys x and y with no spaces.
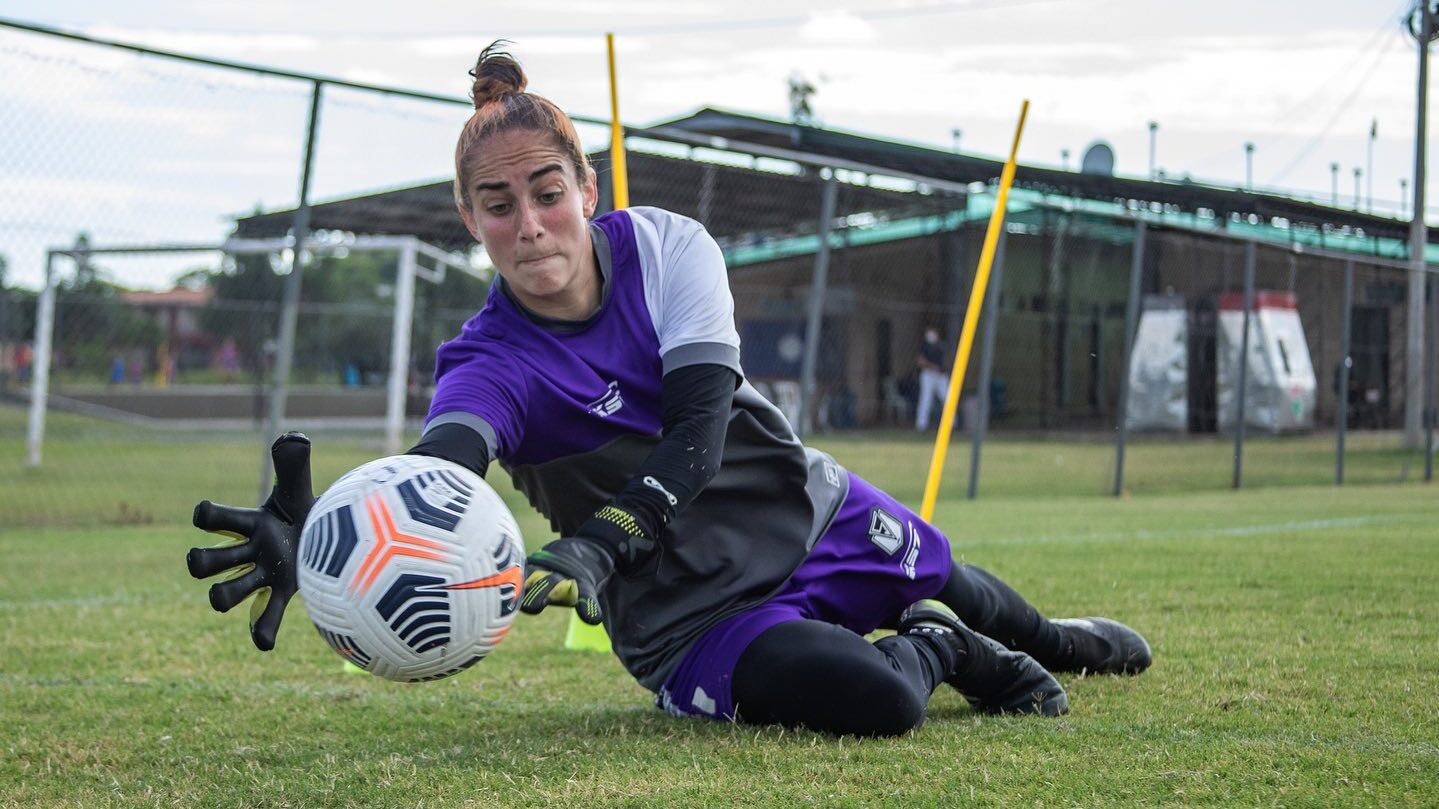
{"x":827,"y":678}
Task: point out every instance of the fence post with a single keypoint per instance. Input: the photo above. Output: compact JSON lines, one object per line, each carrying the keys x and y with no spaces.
{"x":1344,"y":364}
{"x":986,"y":363}
{"x":290,"y":306}
{"x":1432,"y":286}
{"x":40,"y":365}
{"x":1131,"y":319}
{"x":816,"y":306}
{"x":400,"y":349}
{"x":1250,"y":257}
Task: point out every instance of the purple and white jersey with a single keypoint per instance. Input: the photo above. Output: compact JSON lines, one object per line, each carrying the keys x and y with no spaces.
{"x":571,"y":409}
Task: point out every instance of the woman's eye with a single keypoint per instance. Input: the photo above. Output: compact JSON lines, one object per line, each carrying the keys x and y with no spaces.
{"x":499,"y":209}
{"x":550,"y":197}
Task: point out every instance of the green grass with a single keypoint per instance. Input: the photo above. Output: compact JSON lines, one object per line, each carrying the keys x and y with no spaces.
{"x":1294,"y":626}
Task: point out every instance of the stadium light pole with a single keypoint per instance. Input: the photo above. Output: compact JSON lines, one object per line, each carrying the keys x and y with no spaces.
{"x":1334,"y":184}
{"x":1403,"y":197}
{"x":1153,"y":140}
{"x":1358,"y":197}
{"x":1369,"y":166}
{"x":1421,"y":26}
{"x":955,"y":134}
{"x":1064,"y":158}
{"x":1249,"y":166}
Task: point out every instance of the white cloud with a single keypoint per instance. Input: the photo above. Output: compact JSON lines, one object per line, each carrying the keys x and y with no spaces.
{"x":837,"y":27}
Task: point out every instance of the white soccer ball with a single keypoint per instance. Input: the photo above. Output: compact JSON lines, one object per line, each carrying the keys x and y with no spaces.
{"x":411,"y":567}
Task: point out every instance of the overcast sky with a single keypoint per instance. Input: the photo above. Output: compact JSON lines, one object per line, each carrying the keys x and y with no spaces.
{"x":1301,"y":79}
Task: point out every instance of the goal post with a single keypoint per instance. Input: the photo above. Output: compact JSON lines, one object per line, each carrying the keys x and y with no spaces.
{"x":417,"y":259}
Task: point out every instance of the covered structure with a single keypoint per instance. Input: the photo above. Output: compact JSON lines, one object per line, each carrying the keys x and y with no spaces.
{"x":905,"y":237}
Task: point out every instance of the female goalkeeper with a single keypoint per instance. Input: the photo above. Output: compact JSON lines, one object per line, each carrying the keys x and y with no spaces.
{"x":736,"y":570}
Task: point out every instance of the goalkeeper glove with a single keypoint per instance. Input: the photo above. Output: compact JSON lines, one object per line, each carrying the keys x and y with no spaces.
{"x":264,"y":560}
{"x":573,"y":571}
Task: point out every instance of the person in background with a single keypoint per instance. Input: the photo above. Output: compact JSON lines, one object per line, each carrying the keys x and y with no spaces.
{"x":933,"y":377}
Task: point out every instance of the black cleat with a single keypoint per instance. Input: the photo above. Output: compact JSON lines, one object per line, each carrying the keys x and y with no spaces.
{"x":1102,"y":646}
{"x":992,"y":678}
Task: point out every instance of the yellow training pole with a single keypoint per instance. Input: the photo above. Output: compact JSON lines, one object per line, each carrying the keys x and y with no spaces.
{"x":971,"y":324}
{"x":581,"y":635}
{"x":619,"y":175}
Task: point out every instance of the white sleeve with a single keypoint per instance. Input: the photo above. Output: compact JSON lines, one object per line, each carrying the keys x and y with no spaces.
{"x":686,"y":290}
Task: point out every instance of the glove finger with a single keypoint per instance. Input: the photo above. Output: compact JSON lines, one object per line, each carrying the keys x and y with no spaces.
{"x":293,"y":491}
{"x":588,"y":606}
{"x":206,"y":562}
{"x":218,"y":519}
{"x":225,"y":595}
{"x":537,"y":592}
{"x":265,"y":614}
{"x":589,"y":611}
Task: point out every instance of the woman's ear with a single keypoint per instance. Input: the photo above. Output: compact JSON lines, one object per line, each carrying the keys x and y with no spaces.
{"x":470,"y":224}
{"x":591,"y":191}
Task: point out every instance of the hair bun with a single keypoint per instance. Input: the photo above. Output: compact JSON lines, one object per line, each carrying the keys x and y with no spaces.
{"x":497,"y":74}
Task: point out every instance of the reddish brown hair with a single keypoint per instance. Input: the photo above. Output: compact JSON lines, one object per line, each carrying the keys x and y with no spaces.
{"x":501,"y":105}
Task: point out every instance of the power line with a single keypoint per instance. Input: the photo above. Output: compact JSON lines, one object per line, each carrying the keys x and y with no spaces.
{"x":1343,"y":108}
{"x":1324,"y":87}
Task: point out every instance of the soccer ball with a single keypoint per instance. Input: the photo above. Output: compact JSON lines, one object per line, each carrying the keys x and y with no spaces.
{"x":411,"y":567}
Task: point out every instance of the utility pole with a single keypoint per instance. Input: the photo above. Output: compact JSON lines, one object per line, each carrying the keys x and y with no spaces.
{"x":1153,"y":131}
{"x":1421,"y":26}
{"x":1334,"y":183}
{"x":1249,"y":166}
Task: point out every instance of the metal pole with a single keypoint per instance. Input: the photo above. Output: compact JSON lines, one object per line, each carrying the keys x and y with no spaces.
{"x":290,"y":306}
{"x":816,"y":304}
{"x":1345,"y":362}
{"x":986,"y":364}
{"x":400,"y":351}
{"x":1153,"y":134}
{"x":1369,"y":168}
{"x":1250,"y":258}
{"x":40,"y":366}
{"x":1414,"y":331}
{"x":1131,"y":321}
{"x":1429,"y":362}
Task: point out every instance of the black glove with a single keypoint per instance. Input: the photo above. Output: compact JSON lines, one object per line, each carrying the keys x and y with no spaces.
{"x":270,"y":536}
{"x":573,"y":571}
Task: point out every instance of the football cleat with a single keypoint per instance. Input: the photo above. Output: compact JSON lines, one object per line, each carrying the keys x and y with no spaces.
{"x":1102,"y":646}
{"x":992,"y":679}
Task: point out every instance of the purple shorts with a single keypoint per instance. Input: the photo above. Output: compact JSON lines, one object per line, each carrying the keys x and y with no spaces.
{"x":877,"y":558}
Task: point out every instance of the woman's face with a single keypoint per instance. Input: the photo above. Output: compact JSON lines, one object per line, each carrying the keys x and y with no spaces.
{"x":531,"y":213}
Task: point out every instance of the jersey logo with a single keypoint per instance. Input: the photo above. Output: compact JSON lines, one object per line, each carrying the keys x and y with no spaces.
{"x":885,"y":531}
{"x":609,"y":404}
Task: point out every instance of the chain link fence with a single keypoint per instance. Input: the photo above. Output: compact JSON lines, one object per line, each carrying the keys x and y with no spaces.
{"x":108,"y":148}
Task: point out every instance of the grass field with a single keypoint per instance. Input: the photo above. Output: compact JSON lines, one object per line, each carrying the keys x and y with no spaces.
{"x":1295,"y":627}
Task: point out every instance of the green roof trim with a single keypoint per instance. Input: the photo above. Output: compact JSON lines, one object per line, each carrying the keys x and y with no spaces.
{"x":981,"y":206}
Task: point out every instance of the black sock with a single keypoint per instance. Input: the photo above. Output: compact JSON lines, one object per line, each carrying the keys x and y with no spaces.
{"x":993,"y":608}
